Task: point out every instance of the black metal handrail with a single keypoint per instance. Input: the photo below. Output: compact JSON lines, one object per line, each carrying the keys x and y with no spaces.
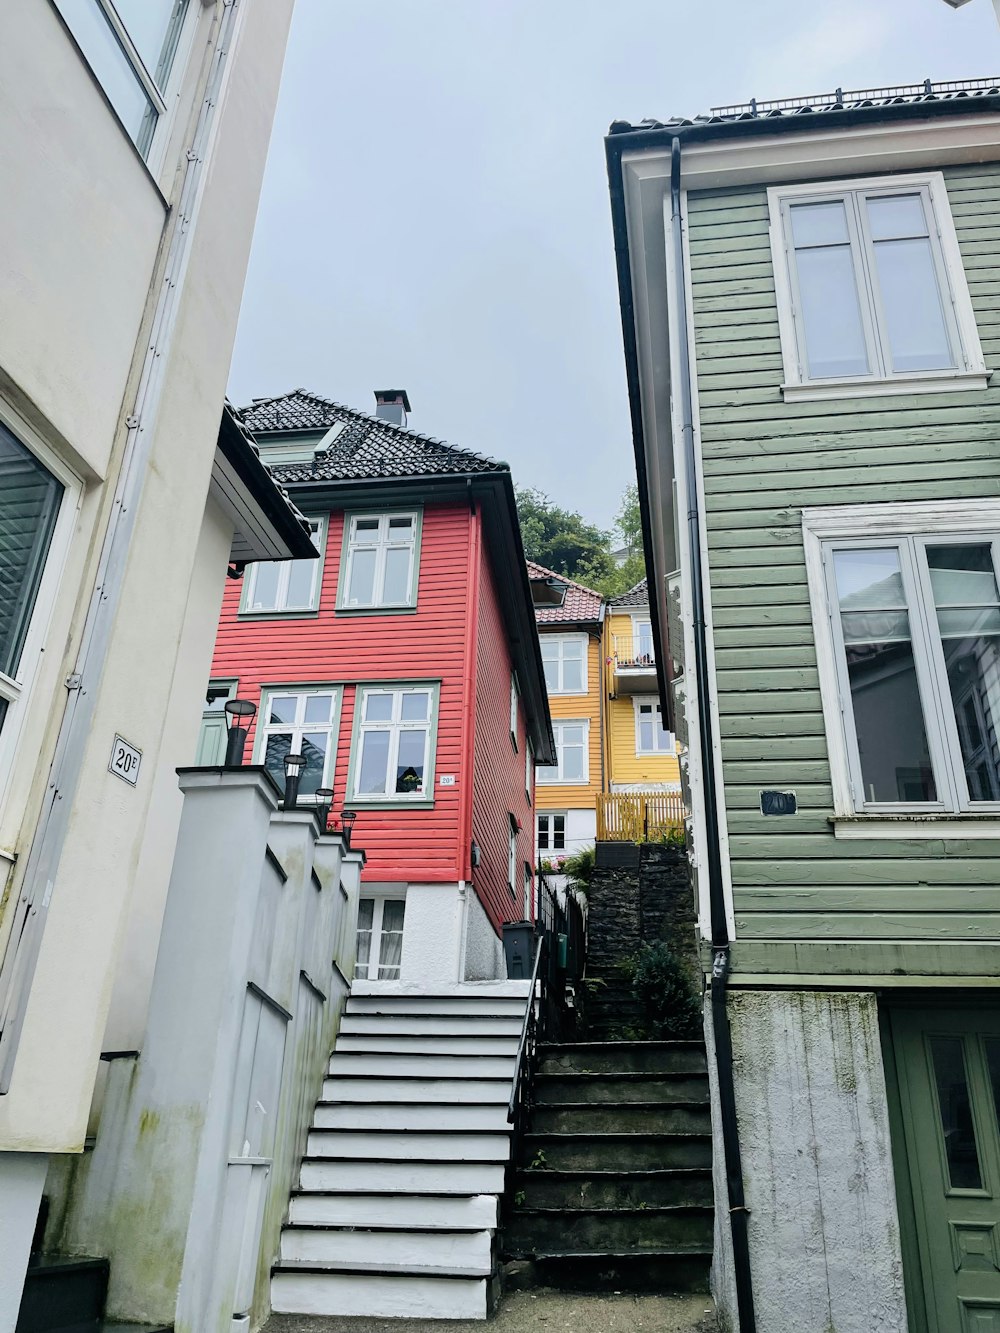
{"x":520,"y":1097}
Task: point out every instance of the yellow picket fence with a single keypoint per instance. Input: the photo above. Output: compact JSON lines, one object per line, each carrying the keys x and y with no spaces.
{"x":638,"y":817}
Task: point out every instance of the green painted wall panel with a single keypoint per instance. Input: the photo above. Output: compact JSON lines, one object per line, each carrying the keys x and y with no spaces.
{"x":889,"y":901}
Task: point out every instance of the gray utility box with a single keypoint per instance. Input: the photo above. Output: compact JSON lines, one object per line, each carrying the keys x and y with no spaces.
{"x":519,"y":949}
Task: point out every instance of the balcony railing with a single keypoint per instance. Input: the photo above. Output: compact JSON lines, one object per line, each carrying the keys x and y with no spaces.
{"x":636,"y":817}
{"x":633,"y":651}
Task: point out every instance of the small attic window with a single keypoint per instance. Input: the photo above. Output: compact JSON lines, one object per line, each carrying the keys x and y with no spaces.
{"x":548,"y":592}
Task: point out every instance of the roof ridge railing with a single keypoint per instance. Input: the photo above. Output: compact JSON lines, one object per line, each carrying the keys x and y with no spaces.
{"x":854,"y":96}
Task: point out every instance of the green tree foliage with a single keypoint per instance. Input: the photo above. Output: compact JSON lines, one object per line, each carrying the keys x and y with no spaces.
{"x":562,"y":540}
{"x":670,"y":1009}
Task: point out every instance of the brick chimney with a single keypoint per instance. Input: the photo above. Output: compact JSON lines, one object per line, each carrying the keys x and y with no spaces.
{"x":392,"y":405}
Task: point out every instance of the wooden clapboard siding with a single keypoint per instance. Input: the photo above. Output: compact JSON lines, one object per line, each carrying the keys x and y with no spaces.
{"x":806,"y":902}
{"x":499,"y":768}
{"x":430,"y":644}
{"x":622,"y":763}
{"x":577,"y":707}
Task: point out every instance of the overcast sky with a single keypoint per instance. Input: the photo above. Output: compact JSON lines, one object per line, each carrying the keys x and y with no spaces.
{"x":435,"y":209}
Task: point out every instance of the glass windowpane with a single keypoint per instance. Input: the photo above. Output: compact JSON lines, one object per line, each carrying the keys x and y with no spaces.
{"x":282,"y":708}
{"x":112,"y":68}
{"x":264,"y":596}
{"x":911,"y":302}
{"x":558,"y":831}
{"x":374,"y":763}
{"x":415,"y":706}
{"x":278,"y":745}
{"x":401,"y":525}
{"x":29,"y":505}
{"x":573,"y":675}
{"x":888,"y":714}
{"x":396,"y":587}
{"x":318,"y":707}
{"x":543,"y":833}
{"x":410,"y":760}
{"x":961,"y":577}
{"x":896,"y":216}
{"x":366,"y":913}
{"x":365,"y":531}
{"x":831,"y":314}
{"x":300,"y":582}
{"x":150,"y":25}
{"x":361,"y":585}
{"x":573,"y":763}
{"x":819,"y":224}
{"x":955,"y":1107}
{"x":314,"y":747}
{"x":378,"y":707}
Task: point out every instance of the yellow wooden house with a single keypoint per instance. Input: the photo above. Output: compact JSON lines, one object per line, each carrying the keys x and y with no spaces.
{"x":640,"y":755}
{"x":570,"y":621}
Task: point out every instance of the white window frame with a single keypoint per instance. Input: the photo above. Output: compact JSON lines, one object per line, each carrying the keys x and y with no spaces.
{"x":550,"y":816}
{"x":970,"y":371}
{"x":318,"y":527}
{"x":560,"y":641}
{"x":515,"y":696}
{"x":529,"y":892}
{"x":18,"y":691}
{"x":557,"y":779}
{"x":825,"y":528}
{"x":383,"y":517}
{"x":640,"y":700}
{"x":396,"y":725}
{"x":264,"y":729}
{"x":379,"y":898}
{"x":529,"y":770}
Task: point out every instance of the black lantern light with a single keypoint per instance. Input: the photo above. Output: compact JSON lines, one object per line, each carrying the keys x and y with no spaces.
{"x":294,"y":765}
{"x":347,"y":818}
{"x":239,"y":714}
{"x":324,"y":797}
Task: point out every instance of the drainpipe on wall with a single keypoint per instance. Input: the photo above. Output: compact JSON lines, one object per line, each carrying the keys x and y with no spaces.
{"x":721,"y":943}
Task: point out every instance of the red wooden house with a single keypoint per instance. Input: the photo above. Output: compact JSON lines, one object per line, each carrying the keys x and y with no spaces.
{"x":404,"y":665}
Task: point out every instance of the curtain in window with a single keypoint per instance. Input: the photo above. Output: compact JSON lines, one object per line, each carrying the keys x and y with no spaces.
{"x":391,"y":944}
{"x":29,"y":504}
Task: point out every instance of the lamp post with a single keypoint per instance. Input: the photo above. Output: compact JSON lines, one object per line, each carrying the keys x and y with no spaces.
{"x":347,"y":818}
{"x":294,"y":765}
{"x":324,"y":795}
{"x":239,"y":714}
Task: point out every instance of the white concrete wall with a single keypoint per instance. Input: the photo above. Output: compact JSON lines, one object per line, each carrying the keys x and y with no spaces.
{"x":432,"y":933}
{"x":483,"y":947}
{"x":80,"y":239}
{"x":817,"y":1165}
{"x":581,"y":831}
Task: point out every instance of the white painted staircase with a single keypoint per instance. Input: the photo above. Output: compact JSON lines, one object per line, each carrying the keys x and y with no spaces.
{"x":398,"y":1198}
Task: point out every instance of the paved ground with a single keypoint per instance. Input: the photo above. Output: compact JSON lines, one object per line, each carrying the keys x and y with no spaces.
{"x":544,"y":1311}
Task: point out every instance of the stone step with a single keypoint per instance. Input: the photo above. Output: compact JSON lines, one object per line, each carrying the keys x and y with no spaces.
{"x":350,"y":1291}
{"x":614,"y":1189}
{"x":402,"y":1177}
{"x":616,"y":1152}
{"x":666,"y":1117}
{"x":324,"y":1244}
{"x":616,"y":1088}
{"x":361,"y":1088}
{"x":411,"y":1115}
{"x":418,"y":1025}
{"x":668,"y":1057}
{"x":403,"y":1145}
{"x":659,"y":1271}
{"x":447,"y":1043}
{"x":398,"y":1064}
{"x":532,"y":1231}
{"x":416,"y":1212}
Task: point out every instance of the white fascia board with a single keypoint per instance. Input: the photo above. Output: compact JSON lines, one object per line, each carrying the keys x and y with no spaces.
{"x":857,"y":150}
{"x":254,"y":535}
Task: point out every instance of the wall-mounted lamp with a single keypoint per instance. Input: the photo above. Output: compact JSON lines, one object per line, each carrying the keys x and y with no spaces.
{"x":347,"y":818}
{"x":239,"y":714}
{"x":294,"y":765}
{"x":474,"y":856}
{"x":324,"y":795}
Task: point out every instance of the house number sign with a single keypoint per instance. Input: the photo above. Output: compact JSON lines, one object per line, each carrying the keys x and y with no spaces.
{"x":125,"y":761}
{"x":777,"y":803}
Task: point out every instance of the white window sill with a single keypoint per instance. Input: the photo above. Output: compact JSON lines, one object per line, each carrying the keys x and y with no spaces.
{"x":904,"y":827}
{"x":899,"y":384}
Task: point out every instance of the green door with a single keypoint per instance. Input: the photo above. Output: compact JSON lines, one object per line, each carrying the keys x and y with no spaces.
{"x":948,"y":1064}
{"x":212,"y":736}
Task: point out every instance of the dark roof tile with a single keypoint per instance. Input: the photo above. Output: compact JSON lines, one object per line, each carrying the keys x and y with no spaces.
{"x":637,"y":596}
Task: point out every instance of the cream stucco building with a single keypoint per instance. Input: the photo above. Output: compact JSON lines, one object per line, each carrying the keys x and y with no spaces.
{"x":132,"y":147}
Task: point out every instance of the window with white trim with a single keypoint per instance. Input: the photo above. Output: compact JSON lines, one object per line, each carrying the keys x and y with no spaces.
{"x":379,"y":939}
{"x":512,"y":855}
{"x":130,"y":46}
{"x":30,"y":499}
{"x":529,"y":770}
{"x":870,"y":284}
{"x":299,"y":720}
{"x":380,"y":564}
{"x":529,"y":893}
{"x":551,"y":831}
{"x":651,"y":737}
{"x":514,"y":698}
{"x":564,"y":657}
{"x":285,"y":585}
{"x":916,"y":630}
{"x":393,"y":759}
{"x":572,"y":763}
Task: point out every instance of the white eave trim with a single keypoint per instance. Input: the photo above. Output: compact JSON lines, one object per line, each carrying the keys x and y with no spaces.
{"x":855,"y":149}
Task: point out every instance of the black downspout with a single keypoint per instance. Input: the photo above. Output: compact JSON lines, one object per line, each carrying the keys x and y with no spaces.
{"x":738,"y":1216}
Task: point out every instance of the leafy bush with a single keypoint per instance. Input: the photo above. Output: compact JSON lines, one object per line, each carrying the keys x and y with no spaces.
{"x":669,"y":1005}
{"x":580,"y":866}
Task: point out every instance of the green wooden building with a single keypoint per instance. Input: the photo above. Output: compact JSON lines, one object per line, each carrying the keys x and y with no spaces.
{"x":811,"y":312}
